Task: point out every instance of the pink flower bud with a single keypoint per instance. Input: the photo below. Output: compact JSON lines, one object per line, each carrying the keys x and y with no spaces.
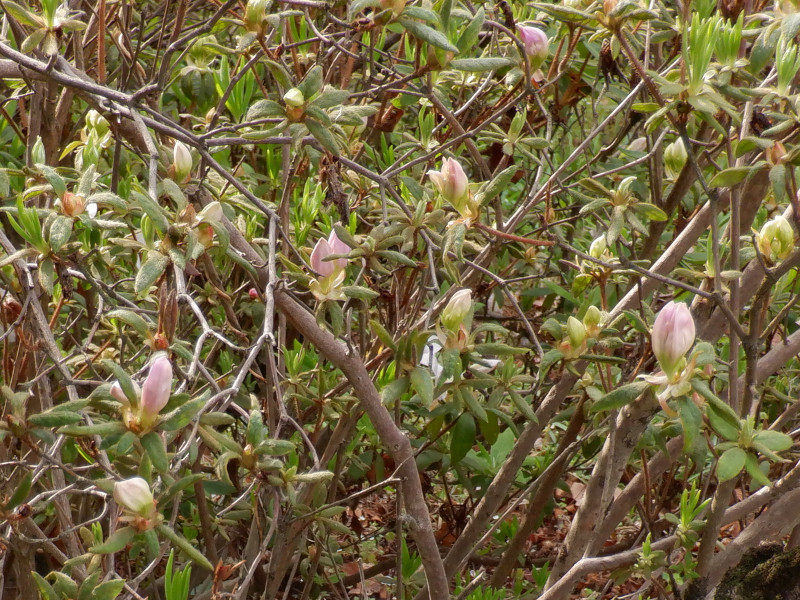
{"x":253,"y":293}
{"x":118,"y":394}
{"x":452,"y":183}
{"x":135,"y":495}
{"x":156,"y":388}
{"x":673,"y":336}
{"x":537,"y":46}
{"x":325,"y":248}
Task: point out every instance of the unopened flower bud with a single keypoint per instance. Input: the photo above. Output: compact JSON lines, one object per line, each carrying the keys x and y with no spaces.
{"x":135,"y":496}
{"x":673,"y":336}
{"x":325,"y":248}
{"x":598,"y":247}
{"x":396,"y":6}
{"x":205,"y":235}
{"x":37,"y":152}
{"x":576,"y":332}
{"x":452,"y":184}
{"x":294,"y":97}
{"x":537,"y":46}
{"x":675,"y":158}
{"x":253,"y":293}
{"x":638,"y":145}
{"x":156,"y":390}
{"x":776,"y":153}
{"x":212,"y":212}
{"x":72,"y":205}
{"x":98,"y":122}
{"x":118,"y":394}
{"x":457,"y":309}
{"x":181,"y":162}
{"x":255,"y":15}
{"x":776,"y":239}
{"x":592,"y":320}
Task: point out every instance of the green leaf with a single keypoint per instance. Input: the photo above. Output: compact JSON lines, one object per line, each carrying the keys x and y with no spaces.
{"x":359,"y":5}
{"x":774,"y":440}
{"x":118,"y":540}
{"x":481,"y":65}
{"x":399,"y":257}
{"x":185,"y":546}
{"x":391,"y":392}
{"x":692,"y":421}
{"x":462,"y":438}
{"x":523,"y":406}
{"x":152,"y":269}
{"x":46,"y":590}
{"x":33,"y":40}
{"x":182,"y":416}
{"x":473,"y":404}
{"x":154,"y":446}
{"x":620,"y":397}
{"x":730,"y":177}
{"x":422,"y":14}
{"x":722,"y":424}
{"x":498,"y":349}
{"x":55,"y":418}
{"x":594,"y":186}
{"x":323,"y":135}
{"x":650,"y":211}
{"x":23,"y":15}
{"x":428,"y":34}
{"x":131,"y":318}
{"x":151,"y":208}
{"x":54,"y":179}
{"x":47,"y":275}
{"x":777,"y":177}
{"x":331,"y":97}
{"x":21,"y":493}
{"x":383,"y":335}
{"x":312,"y":82}
{"x":359,"y":292}
{"x":174,"y":192}
{"x":470,"y":34}
{"x":423,"y":384}
{"x":730,"y":463}
{"x":494,"y":187}
{"x":101,"y":429}
{"x":263,"y":109}
{"x":60,"y":232}
{"x":753,"y":468}
{"x":560,"y":291}
{"x":272,"y":447}
{"x":108,"y":590}
{"x":123,"y":378}
{"x":179,"y":485}
{"x":19,"y":254}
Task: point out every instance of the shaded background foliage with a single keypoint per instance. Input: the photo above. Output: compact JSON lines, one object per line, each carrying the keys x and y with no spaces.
{"x":401,"y":418}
